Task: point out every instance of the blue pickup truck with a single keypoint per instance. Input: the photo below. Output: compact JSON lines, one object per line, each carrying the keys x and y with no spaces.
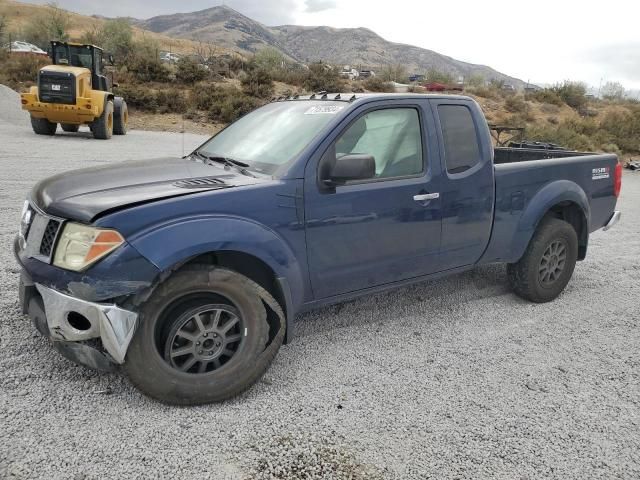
{"x":188,"y":272}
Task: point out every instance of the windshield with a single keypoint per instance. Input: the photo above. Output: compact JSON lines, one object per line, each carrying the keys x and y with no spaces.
{"x":74,"y":55}
{"x":272,"y":136}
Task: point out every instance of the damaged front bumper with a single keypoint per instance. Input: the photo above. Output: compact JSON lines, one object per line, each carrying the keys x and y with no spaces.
{"x":96,"y":335}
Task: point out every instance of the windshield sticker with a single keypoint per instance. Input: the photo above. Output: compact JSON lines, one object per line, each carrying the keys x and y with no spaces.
{"x":600,"y":173}
{"x":320,"y":109}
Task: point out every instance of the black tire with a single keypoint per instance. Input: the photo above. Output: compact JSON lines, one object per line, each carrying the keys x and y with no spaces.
{"x":69,"y":127}
{"x":548,"y":263}
{"x":120,"y":116}
{"x":150,"y":356}
{"x":42,"y":126}
{"x":103,"y":125}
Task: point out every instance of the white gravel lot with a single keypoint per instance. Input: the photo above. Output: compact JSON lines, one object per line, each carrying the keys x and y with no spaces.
{"x":450,"y":379}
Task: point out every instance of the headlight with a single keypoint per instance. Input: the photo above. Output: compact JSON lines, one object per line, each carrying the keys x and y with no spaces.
{"x":79,"y":246}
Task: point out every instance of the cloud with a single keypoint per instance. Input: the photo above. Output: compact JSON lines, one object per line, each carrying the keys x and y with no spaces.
{"x":313,"y":6}
{"x":618,"y":60}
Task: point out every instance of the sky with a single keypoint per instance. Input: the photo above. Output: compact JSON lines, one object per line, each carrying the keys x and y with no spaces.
{"x":542,"y":41}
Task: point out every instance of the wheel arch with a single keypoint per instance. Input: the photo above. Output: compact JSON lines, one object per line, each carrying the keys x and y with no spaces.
{"x":561,"y":199}
{"x":243,"y":246}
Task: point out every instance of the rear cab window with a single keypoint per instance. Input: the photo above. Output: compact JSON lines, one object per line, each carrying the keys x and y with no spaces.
{"x":461,"y":147}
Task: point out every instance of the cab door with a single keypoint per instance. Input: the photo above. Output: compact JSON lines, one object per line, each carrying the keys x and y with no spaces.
{"x":467,"y":192}
{"x":381,"y":230}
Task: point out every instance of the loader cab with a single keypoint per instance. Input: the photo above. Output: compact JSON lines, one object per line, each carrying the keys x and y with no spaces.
{"x":83,"y":56}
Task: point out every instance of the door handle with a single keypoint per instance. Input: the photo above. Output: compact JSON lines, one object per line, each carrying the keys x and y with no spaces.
{"x":426,"y":196}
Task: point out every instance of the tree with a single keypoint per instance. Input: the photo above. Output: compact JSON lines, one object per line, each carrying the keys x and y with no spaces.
{"x":613,"y":91}
{"x":438,"y":76}
{"x":268,"y":59}
{"x":394,"y":73}
{"x":50,"y":25}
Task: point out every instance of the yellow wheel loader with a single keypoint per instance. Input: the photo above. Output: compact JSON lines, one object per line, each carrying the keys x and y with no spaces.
{"x":74,"y":91}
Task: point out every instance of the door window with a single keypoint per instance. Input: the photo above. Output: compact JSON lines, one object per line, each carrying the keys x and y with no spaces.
{"x":392,"y":136}
{"x":461,"y":148}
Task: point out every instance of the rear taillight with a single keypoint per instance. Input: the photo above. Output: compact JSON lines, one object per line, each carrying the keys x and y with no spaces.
{"x":617,"y":180}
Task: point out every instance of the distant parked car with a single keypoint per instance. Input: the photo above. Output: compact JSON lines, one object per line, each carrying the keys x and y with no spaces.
{"x":25,"y":48}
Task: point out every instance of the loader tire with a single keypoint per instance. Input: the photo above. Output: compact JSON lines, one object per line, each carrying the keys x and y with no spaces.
{"x":120,"y":116}
{"x":70,"y":127}
{"x":103,"y":126}
{"x":42,"y":126}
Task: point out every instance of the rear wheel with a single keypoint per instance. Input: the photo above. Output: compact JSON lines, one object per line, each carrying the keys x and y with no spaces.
{"x":102,"y":127}
{"x":548,"y":263}
{"x":120,"y":116}
{"x":203,"y":337}
{"x":42,"y":126}
{"x":69,"y":127}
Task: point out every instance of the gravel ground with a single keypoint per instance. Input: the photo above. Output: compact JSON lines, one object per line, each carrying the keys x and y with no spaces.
{"x":450,"y":379}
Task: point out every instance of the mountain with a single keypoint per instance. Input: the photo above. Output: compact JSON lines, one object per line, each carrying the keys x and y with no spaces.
{"x":228,"y":28}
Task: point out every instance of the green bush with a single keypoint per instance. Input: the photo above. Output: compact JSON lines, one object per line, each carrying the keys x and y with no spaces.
{"x":171,"y":101}
{"x":258,"y":83}
{"x":323,"y":77}
{"x":188,"y":71}
{"x":21,"y":69}
{"x":229,"y":104}
{"x":145,"y":69}
{"x":138,"y":97}
{"x":546,"y":95}
{"x":572,"y":93}
{"x":516,"y":104}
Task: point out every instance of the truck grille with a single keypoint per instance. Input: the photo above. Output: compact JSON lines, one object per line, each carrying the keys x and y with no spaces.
{"x":57,"y":87}
{"x":41,"y":236}
{"x":49,"y":237}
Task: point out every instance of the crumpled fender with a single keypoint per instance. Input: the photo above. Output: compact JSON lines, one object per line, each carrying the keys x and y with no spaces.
{"x":172,"y":243}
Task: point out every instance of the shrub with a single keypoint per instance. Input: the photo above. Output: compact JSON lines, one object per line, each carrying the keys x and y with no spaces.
{"x":546,"y":95}
{"x":434,"y":75}
{"x":171,"y":101}
{"x":19,"y":69}
{"x":572,"y":93}
{"x":323,"y":77}
{"x":146,"y":69}
{"x":138,"y":97}
{"x":229,"y":104}
{"x":376,"y":84}
{"x":188,"y":71}
{"x":258,"y":83}
{"x":516,"y":104}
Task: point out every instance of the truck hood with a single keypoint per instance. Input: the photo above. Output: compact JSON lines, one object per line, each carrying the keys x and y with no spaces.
{"x":88,"y":193}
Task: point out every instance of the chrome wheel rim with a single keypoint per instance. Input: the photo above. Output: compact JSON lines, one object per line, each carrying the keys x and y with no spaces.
{"x":552,"y":263}
{"x":204,"y":339}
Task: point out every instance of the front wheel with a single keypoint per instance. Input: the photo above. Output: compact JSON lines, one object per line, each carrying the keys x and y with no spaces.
{"x":120,"y":116}
{"x":547,"y":265}
{"x":42,"y":126}
{"x":102,"y":127}
{"x":203,"y":337}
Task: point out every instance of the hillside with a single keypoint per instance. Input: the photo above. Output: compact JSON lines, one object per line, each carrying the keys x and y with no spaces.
{"x":224,"y":26}
{"x":18,"y":14}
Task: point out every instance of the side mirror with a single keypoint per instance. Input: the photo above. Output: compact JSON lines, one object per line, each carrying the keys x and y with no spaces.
{"x":352,"y":167}
{"x":111,"y":60}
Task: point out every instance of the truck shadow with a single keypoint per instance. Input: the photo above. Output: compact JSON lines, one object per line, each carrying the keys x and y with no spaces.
{"x":444,"y":296}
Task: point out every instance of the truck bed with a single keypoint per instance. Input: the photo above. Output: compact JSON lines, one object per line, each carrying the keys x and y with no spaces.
{"x":512,"y":155}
